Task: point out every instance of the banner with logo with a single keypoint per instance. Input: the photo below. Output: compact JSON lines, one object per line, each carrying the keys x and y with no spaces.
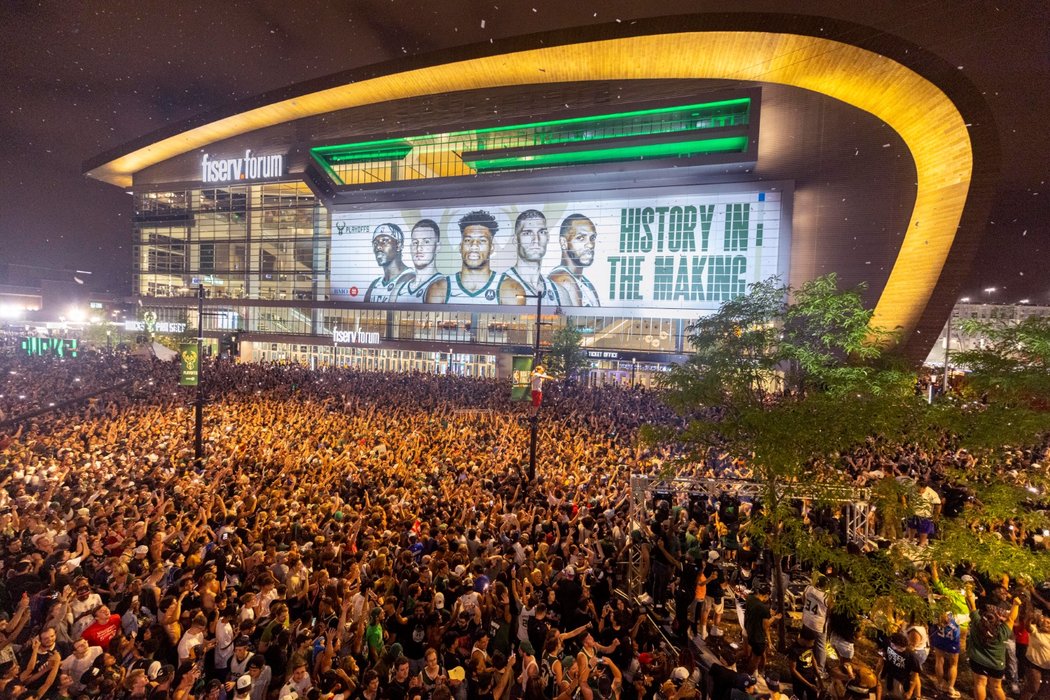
{"x":190,"y":364}
{"x":654,"y":253}
{"x":521,"y":374}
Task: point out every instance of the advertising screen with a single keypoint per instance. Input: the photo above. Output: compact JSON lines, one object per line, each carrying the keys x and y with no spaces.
{"x":648,"y":254}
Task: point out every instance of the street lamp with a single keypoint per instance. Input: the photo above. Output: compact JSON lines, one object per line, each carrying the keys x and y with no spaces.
{"x":534,"y":420}
{"x":198,"y":404}
{"x":947,"y":344}
{"x":948,"y":336}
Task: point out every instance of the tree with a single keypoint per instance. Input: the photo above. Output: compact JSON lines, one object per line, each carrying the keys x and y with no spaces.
{"x":998,"y":423}
{"x":565,"y":356}
{"x":1012,"y":367}
{"x":796,"y":380}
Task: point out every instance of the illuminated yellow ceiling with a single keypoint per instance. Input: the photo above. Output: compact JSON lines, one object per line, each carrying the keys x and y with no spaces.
{"x":921,"y":113}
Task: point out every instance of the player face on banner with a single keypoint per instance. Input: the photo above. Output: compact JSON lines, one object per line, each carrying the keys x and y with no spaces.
{"x":530,"y":231}
{"x":426,"y":236}
{"x":578,"y":239}
{"x":386,"y":245}
{"x":476,"y":248}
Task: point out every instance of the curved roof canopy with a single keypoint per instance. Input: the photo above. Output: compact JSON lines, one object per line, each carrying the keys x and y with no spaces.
{"x":928,"y":121}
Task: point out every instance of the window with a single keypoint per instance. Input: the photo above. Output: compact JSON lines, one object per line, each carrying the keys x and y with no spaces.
{"x":207,"y":260}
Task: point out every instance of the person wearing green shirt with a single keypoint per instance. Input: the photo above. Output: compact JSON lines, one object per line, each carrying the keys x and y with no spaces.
{"x":956,"y":601}
{"x":986,"y":652}
{"x":374,"y":635}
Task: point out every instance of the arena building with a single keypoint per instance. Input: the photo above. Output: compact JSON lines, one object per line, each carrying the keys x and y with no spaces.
{"x":625,"y":179}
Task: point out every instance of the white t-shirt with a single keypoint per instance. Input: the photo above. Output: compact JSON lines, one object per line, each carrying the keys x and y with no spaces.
{"x":80,"y":617}
{"x":223,"y":643}
{"x":299,"y":688}
{"x":1038,"y":647}
{"x":76,"y":667}
{"x":928,"y":498}
{"x":188,"y":641}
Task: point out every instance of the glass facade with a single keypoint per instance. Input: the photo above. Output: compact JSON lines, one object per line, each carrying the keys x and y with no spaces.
{"x":601,"y":372}
{"x":263,"y":241}
{"x":290,"y":280}
{"x":259,"y":243}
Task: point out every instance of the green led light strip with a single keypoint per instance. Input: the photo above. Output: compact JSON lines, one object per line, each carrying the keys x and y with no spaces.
{"x":740,"y":101}
{"x":681,"y":149}
{"x":360,"y":153}
{"x":382,"y":144}
{"x":338,"y":148}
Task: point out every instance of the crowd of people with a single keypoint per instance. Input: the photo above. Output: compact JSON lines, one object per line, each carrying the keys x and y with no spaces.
{"x":373,"y":535}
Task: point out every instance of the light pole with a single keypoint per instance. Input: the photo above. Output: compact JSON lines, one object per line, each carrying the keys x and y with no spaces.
{"x":947,"y":343}
{"x":948,"y":336}
{"x":534,"y":420}
{"x":198,"y":405}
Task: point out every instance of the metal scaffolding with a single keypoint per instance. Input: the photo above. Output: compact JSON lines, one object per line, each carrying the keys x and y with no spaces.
{"x":644,"y":488}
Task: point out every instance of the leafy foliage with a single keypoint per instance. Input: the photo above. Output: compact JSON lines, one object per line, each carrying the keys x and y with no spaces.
{"x":793,"y":380}
{"x":735,"y":353}
{"x":565,"y":356}
{"x":1013,"y":366}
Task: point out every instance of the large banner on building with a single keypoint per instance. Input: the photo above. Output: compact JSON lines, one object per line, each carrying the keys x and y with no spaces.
{"x":665,"y":252}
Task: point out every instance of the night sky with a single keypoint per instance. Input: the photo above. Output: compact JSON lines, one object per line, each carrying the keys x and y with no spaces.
{"x":80,"y":78}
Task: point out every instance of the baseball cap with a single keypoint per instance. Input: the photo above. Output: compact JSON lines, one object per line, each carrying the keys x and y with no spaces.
{"x":457,"y":674}
{"x":244,"y":682}
{"x":392,"y":230}
{"x":680,"y":674}
{"x":526,"y":648}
